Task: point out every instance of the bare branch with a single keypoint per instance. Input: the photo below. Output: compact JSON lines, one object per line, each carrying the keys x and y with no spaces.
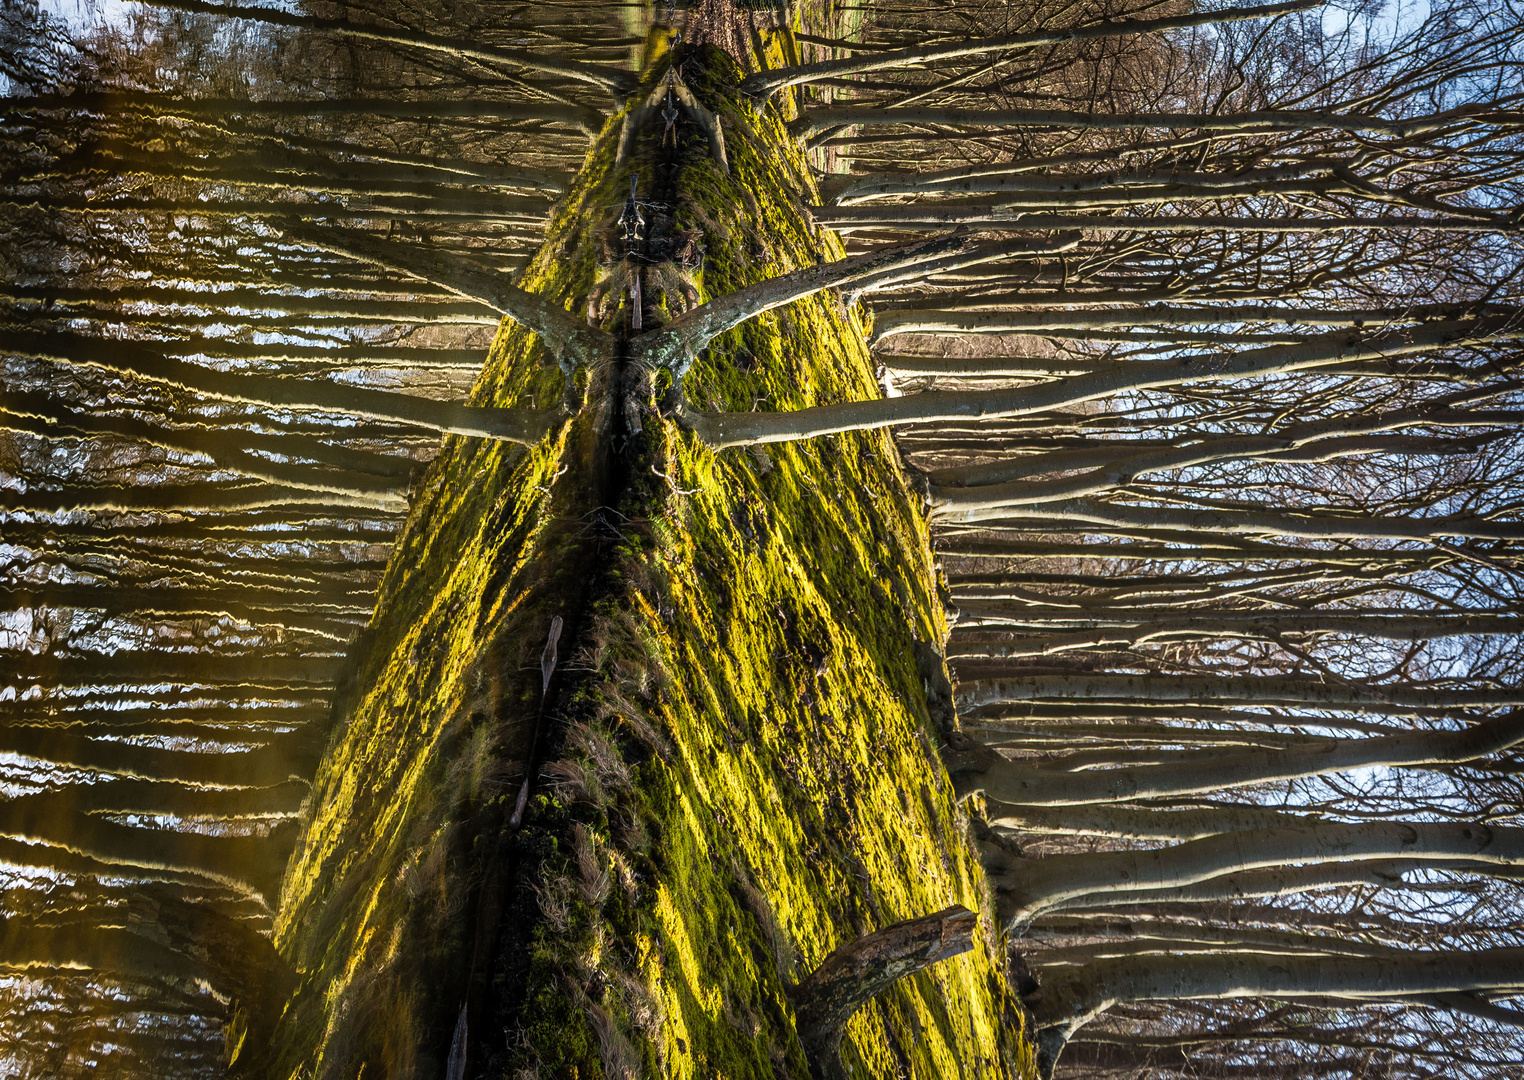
{"x":766,"y":83}
{"x":571,"y":340}
{"x":616,"y":82}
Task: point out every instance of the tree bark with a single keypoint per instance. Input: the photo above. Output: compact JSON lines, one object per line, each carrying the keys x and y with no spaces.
{"x":1192,"y":690}
{"x":588,"y":121}
{"x":721,"y":430}
{"x":1195,"y":772}
{"x":127,"y":358}
{"x":1047,"y":883}
{"x":613,"y":80}
{"x":766,"y":83}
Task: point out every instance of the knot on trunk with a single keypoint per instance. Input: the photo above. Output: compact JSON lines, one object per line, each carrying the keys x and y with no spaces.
{"x":861,"y":970}
{"x":967,"y":761}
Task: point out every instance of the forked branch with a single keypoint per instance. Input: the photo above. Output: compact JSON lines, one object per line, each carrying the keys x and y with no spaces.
{"x":675,"y":345}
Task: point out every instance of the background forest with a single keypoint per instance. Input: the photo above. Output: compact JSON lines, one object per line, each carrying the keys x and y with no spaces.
{"x":1197,"y":337}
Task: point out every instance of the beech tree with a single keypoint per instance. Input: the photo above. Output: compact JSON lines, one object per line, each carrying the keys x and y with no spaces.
{"x":804,"y":476}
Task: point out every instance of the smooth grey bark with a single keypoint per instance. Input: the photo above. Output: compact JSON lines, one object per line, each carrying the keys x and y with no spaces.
{"x":820,"y":119}
{"x":1309,"y":524}
{"x":1225,"y":690}
{"x":764,"y":84}
{"x":612,"y":79}
{"x":846,"y":190}
{"x":130,"y":358}
{"x":1070,"y":999}
{"x":956,"y":321}
{"x":1043,"y":884}
{"x":1134,"y":823}
{"x":720,"y":430}
{"x":1120,"y":631}
{"x":1034,"y":785}
{"x":930,"y":216}
{"x":588,"y":121}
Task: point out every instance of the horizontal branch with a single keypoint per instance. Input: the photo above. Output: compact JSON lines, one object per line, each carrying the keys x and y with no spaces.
{"x":1265,"y":626}
{"x":1071,"y":998}
{"x":987,"y":687}
{"x":764,"y":84}
{"x":931,"y":216}
{"x":1300,"y":442}
{"x":616,"y":82}
{"x":1123,"y":468}
{"x":720,"y":430}
{"x":1206,"y":771}
{"x":131,"y":358}
{"x":817,"y":120}
{"x":1313,"y":525}
{"x":971,"y":179}
{"x":890,"y":323}
{"x":589,"y":121}
{"x":1041,"y":884}
{"x":570,"y":339}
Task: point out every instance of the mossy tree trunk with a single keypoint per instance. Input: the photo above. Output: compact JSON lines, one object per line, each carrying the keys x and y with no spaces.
{"x":615,"y":864}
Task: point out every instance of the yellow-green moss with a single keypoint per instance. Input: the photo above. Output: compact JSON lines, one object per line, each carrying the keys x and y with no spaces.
{"x":748,"y":759}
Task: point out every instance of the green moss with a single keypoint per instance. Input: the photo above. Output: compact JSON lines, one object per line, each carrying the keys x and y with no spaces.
{"x":744,"y":773}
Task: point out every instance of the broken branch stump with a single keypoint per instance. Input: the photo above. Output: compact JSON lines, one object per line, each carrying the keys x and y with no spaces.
{"x":861,"y":970}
